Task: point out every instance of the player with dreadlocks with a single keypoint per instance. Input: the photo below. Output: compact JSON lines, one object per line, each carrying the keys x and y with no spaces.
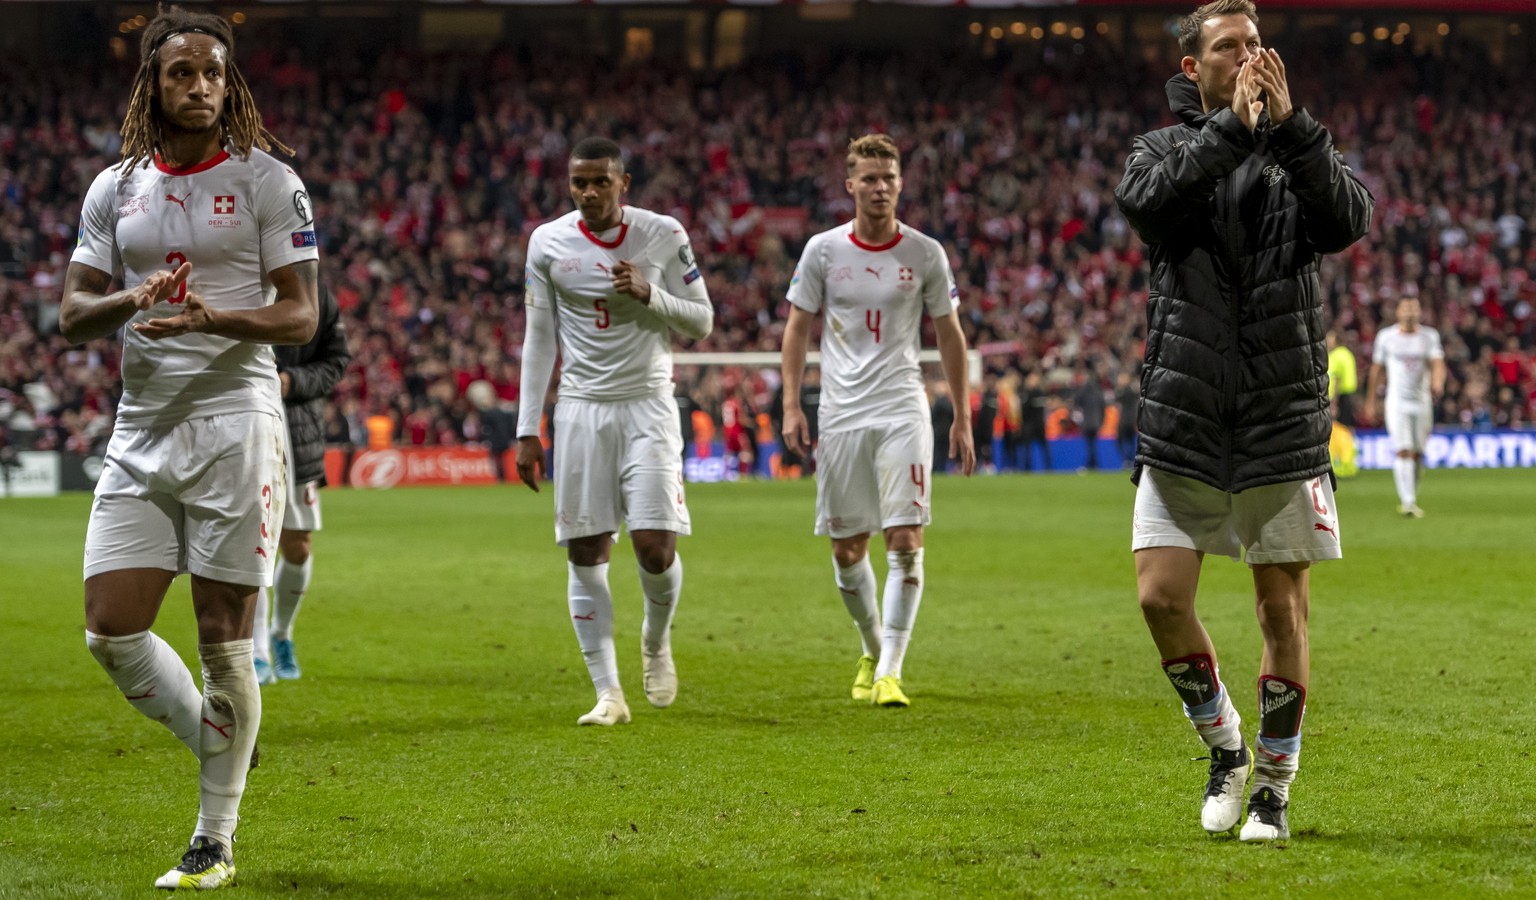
{"x":194,"y":476}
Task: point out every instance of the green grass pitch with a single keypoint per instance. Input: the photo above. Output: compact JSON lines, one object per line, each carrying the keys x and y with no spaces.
{"x":431,"y":748}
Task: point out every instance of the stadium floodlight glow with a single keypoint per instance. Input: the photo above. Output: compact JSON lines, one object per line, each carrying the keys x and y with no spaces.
{"x":1058,"y":28}
{"x":1357,"y":38}
{"x":1017,"y":28}
{"x":996,"y":33}
{"x":1380,"y":33}
{"x":1078,"y":32}
{"x":1037,"y":32}
{"x":1102,"y":28}
{"x":1443,"y":29}
{"x":976,"y":28}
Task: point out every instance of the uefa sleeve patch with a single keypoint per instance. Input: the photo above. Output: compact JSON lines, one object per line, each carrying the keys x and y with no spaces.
{"x":303,"y":238}
{"x":691,"y":276}
{"x":954,"y":292}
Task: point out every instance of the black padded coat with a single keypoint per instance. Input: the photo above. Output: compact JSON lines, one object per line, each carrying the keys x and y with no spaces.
{"x":1234,"y":389}
{"x":315,"y":368}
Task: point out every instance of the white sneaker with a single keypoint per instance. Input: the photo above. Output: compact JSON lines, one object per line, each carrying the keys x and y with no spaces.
{"x":1266,"y":818}
{"x":1223,"y":804}
{"x":660,"y":677}
{"x":610,"y":710}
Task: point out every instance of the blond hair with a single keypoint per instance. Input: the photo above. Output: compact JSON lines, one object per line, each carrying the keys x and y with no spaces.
{"x":872,"y":146}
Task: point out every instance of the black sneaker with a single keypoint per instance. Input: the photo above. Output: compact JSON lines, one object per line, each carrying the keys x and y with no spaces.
{"x":1266,"y":817}
{"x":1222,"y":806}
{"x":206,"y":865}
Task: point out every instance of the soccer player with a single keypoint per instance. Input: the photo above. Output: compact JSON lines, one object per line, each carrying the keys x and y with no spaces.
{"x":307,"y":374}
{"x":871,"y":280}
{"x":1236,"y":203}
{"x":607,"y":284}
{"x":210,"y":238}
{"x":1408,"y":354}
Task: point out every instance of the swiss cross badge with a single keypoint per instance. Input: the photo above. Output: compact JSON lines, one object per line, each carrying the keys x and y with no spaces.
{"x":904,"y":273}
{"x":224,"y":206}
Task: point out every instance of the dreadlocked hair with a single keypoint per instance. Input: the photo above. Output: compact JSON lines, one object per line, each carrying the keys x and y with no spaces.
{"x":240,"y":120}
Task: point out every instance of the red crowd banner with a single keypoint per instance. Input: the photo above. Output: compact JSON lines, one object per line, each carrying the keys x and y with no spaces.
{"x":411,"y":466}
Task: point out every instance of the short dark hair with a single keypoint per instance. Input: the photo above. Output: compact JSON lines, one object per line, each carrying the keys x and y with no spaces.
{"x":598,"y":148}
{"x":1191,"y":36}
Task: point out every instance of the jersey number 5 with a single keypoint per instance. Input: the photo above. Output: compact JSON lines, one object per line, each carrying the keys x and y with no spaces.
{"x":602,"y":320}
{"x":177,"y":259}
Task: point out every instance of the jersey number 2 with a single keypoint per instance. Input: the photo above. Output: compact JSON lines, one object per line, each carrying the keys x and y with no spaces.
{"x":177,"y":259}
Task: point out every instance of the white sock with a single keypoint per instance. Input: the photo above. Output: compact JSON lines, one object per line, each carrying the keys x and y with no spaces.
{"x":1403,"y":474}
{"x":903,"y":595}
{"x":1216,"y":721}
{"x":261,"y":638}
{"x":1275,"y":761}
{"x":661,"y":590}
{"x":153,"y":680}
{"x":288,"y":587}
{"x":857,"y":585}
{"x":227,"y":670}
{"x":591,"y":606}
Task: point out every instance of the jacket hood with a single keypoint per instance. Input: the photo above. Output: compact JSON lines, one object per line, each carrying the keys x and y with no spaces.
{"x":1184,"y":99}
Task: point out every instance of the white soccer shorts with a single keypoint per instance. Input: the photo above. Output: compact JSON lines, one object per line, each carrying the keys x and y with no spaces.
{"x":203,"y":496}
{"x":1277,"y":523}
{"x":868,"y":479}
{"x":302,"y":512}
{"x":1409,"y":427}
{"x":618,"y":462}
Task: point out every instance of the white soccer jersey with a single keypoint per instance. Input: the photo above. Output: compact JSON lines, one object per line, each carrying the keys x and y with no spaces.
{"x":235,"y":220}
{"x":1407,"y":358}
{"x":873,"y":300}
{"x":612,"y":346}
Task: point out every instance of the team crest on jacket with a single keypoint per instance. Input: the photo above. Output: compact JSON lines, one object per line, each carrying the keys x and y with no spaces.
{"x":1273,"y":175}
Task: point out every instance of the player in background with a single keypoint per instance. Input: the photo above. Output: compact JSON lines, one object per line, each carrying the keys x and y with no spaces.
{"x":1236,"y":203}
{"x":210,"y":239}
{"x":607,"y":285}
{"x":871,"y":280}
{"x":1409,"y":357}
{"x":308,"y":375}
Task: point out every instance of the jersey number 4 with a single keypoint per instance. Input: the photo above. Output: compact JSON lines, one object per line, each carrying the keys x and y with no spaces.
{"x":872,"y":322}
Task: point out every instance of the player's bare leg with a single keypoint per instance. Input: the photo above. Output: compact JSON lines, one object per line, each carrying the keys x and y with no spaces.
{"x":661,"y":581}
{"x":1280,"y":592}
{"x":1166,"y":581}
{"x":903,"y":596}
{"x":855,"y":579}
{"x":591,"y":605}
{"x":120,"y":608}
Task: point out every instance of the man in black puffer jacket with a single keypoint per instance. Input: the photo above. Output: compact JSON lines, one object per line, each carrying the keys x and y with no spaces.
{"x":1237,"y":203}
{"x":308,"y":374}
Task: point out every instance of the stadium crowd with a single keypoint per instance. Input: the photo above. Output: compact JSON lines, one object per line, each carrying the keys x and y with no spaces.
{"x":428,"y":173}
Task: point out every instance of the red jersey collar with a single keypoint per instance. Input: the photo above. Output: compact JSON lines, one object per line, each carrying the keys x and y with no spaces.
{"x":192,"y":170}
{"x":875,"y":248}
{"x":607,"y":245}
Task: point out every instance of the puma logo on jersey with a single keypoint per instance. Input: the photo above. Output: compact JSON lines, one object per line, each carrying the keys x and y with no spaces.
{"x":179,"y":201}
{"x":874,"y":272}
{"x":606,"y":271}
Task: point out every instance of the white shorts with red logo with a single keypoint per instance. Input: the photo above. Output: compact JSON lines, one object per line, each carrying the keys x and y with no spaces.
{"x":1277,"y":523}
{"x":302,"y":513}
{"x":204,"y":496}
{"x":868,"y":479}
{"x":618,"y":463}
